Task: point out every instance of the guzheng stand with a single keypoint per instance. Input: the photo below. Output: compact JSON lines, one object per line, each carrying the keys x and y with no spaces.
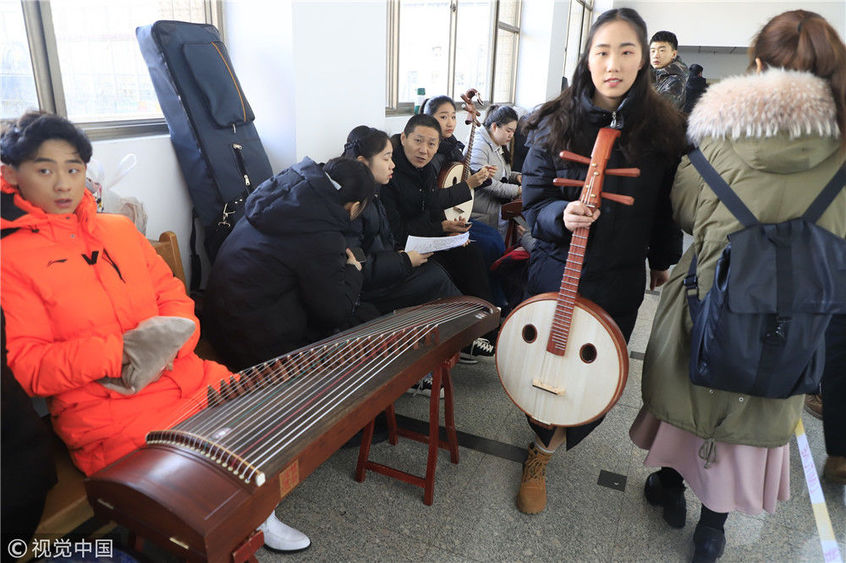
{"x":440,"y":378}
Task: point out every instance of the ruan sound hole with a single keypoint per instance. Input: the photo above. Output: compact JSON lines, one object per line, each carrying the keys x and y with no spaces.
{"x":587,"y":353}
{"x":530,"y":333}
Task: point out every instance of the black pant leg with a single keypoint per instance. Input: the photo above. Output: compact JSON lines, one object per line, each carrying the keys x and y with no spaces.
{"x":466,"y":267}
{"x":426,"y":283}
{"x":834,"y":387}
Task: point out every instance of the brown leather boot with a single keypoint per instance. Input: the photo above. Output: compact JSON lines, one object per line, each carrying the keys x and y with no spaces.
{"x":835,"y":469}
{"x":532,"y":496}
{"x":814,"y":405}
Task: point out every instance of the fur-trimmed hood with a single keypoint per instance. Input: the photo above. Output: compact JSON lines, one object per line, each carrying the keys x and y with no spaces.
{"x":777,"y":120}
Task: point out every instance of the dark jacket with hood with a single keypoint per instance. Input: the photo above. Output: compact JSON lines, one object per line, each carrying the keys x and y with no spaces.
{"x":696,"y":86}
{"x":623,"y":236}
{"x":413,"y":202}
{"x":371,"y":231}
{"x":281,"y":278}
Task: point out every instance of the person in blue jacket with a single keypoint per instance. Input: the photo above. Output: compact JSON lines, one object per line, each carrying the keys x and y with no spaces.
{"x":610,"y":88}
{"x":285,"y":276}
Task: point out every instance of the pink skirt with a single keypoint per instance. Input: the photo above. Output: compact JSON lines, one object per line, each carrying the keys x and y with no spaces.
{"x":744,"y":478}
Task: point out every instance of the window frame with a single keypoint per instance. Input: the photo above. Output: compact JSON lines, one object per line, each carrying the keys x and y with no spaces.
{"x":584,"y":29}
{"x":393,"y":105}
{"x":44,"y":54}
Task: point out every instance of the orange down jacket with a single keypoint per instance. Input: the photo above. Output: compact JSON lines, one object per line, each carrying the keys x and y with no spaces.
{"x":71,"y":286}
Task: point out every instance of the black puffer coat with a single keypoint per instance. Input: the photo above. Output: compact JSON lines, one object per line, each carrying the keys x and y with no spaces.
{"x":413,"y":202}
{"x":281,"y":279}
{"x":371,"y":232}
{"x":621,"y":239}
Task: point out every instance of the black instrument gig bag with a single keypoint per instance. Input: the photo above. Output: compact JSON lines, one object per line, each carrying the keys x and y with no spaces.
{"x":210,"y":121}
{"x":760,"y":329}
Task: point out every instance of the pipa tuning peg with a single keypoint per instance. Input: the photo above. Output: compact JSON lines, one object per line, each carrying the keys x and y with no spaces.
{"x":624,"y":199}
{"x":567,"y":155}
{"x":628,"y":172}
{"x":567,"y":182}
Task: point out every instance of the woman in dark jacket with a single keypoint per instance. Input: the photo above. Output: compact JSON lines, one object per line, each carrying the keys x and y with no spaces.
{"x":392,"y":278}
{"x":284,"y":277}
{"x":610,"y":89}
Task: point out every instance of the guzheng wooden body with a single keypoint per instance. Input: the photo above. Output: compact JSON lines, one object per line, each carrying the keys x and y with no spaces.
{"x":201,"y":487}
{"x":561,"y":358}
{"x":455,"y":172}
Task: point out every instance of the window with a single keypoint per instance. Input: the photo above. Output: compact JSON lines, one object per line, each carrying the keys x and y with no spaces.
{"x":578,"y":26}
{"x":80,"y":59}
{"x":450,"y":46}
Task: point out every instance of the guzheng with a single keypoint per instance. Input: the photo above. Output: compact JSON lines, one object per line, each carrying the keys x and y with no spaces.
{"x":202,"y":486}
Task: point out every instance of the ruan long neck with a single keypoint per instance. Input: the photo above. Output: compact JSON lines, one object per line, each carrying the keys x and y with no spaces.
{"x":566,"y":300}
{"x":469,"y":154}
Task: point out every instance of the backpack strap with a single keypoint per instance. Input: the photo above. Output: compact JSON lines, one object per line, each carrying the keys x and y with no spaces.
{"x":724,"y":192}
{"x":691,"y":288}
{"x":827,"y":195}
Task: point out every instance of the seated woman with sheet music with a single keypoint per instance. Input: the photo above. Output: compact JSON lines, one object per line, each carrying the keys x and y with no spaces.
{"x":392,"y":279}
{"x":95,"y":320}
{"x":285,"y":276}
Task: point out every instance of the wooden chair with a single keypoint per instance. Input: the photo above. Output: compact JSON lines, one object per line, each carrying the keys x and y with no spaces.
{"x":168,"y":248}
{"x":66,"y":508}
{"x":511,"y":210}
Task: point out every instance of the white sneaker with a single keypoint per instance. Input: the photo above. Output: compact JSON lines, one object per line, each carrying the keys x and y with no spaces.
{"x":281,"y":537}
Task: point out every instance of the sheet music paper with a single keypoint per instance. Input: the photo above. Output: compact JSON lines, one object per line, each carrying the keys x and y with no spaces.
{"x":434,"y":244}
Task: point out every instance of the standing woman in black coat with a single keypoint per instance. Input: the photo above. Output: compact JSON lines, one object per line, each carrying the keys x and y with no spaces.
{"x":611,"y":88}
{"x":285,"y":277}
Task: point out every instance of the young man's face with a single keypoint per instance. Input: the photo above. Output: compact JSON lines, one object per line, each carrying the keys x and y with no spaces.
{"x":661,"y":54}
{"x":53,"y":180}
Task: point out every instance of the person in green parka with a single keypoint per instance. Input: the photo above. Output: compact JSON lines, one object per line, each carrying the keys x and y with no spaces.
{"x":776,"y":136}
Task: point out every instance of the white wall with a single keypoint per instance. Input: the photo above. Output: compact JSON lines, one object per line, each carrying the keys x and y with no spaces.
{"x":716,"y":65}
{"x":259,"y":38}
{"x":312,"y":70}
{"x":540,"y":62}
{"x":725,"y":23}
{"x":156,"y":182}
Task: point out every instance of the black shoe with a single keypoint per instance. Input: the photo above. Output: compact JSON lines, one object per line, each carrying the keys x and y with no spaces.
{"x":675,"y":507}
{"x":708,"y":543}
{"x":479,"y":347}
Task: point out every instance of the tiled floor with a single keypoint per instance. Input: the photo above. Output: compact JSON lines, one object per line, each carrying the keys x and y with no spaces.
{"x":473,"y":517}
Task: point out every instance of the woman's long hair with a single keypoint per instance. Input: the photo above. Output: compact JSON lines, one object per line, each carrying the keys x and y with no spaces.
{"x":651,"y":123}
{"x":802,"y":40}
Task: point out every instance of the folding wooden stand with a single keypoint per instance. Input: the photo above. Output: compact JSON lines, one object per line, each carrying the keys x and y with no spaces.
{"x":440,"y":378}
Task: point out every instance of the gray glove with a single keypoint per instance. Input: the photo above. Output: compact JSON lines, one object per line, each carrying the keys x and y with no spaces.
{"x":147,"y":350}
